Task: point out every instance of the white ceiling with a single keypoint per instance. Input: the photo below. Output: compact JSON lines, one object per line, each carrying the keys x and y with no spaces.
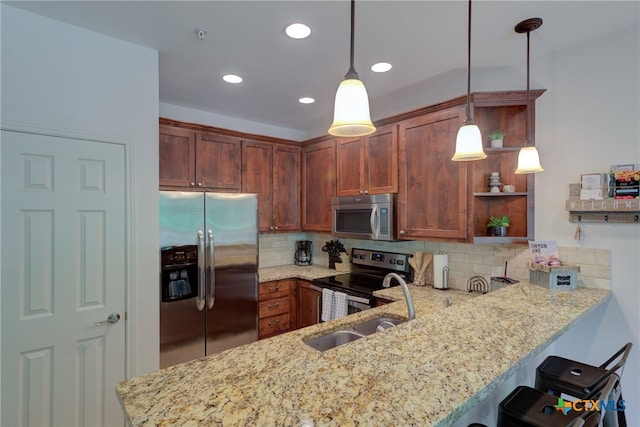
{"x":424,"y":40}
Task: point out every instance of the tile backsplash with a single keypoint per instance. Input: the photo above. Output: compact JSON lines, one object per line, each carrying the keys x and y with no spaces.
{"x":465,"y":260}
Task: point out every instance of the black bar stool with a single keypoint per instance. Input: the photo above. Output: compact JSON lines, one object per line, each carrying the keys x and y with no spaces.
{"x":529,"y":407}
{"x":557,"y":375}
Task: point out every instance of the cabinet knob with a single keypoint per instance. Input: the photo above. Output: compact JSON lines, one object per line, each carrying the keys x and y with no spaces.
{"x":192,"y":184}
{"x":271,"y":228}
{"x":199,"y":184}
{"x":275,"y":228}
{"x":401,"y":231}
{"x":366,"y":191}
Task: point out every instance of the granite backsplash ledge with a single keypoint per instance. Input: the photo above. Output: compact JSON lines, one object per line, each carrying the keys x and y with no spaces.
{"x":465,"y":260}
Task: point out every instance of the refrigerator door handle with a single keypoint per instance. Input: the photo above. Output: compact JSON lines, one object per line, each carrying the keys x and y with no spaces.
{"x":201,"y":271}
{"x":211,"y":296}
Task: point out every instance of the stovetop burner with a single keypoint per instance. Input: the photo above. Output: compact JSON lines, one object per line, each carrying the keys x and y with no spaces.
{"x":368,"y":271}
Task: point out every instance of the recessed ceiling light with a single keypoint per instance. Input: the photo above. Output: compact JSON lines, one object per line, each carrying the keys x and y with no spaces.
{"x":232,"y":78}
{"x":306,"y":100}
{"x":298,"y":31}
{"x":381,"y":67}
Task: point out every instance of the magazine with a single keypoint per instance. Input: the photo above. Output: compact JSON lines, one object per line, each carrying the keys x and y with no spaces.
{"x":544,"y":252}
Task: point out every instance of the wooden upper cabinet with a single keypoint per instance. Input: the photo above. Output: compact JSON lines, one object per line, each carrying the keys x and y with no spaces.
{"x":273,"y":172}
{"x":369,"y":164}
{"x":381,"y":160}
{"x":257,"y":163}
{"x":350,"y":166}
{"x":177,"y":157}
{"x":218,"y":162}
{"x":432,"y":193}
{"x":319,"y":185}
{"x":286,"y":187}
{"x":189,"y":159}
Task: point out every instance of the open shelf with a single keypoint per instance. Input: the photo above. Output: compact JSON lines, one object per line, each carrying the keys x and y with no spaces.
{"x":501,"y":194}
{"x":624,"y":211}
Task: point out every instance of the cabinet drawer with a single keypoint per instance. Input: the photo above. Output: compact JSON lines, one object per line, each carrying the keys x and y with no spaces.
{"x":273,"y":324}
{"x":273,"y":290}
{"x":274,"y":307}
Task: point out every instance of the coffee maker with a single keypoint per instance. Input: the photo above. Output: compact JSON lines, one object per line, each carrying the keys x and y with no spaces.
{"x":302,"y":255}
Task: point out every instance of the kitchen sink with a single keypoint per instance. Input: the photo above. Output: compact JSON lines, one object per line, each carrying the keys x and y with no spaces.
{"x":352,"y":333}
{"x":376,"y":325}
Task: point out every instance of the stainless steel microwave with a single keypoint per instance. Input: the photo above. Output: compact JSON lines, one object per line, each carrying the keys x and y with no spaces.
{"x":371,"y":217}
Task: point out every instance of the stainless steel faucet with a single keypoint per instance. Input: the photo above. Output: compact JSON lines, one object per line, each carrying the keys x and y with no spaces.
{"x":387,"y":281}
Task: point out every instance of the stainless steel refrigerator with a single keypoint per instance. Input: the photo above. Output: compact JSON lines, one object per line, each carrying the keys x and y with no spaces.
{"x":209,"y":273}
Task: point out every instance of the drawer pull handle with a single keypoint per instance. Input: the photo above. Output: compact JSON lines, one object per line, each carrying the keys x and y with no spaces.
{"x":275,"y":322}
{"x":274,"y":305}
{"x":273,"y":289}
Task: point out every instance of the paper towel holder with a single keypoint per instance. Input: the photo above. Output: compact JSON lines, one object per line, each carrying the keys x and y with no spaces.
{"x":444,"y":285}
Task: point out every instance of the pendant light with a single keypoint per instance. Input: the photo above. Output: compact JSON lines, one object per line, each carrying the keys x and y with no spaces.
{"x":469,"y":139}
{"x":351,"y":111}
{"x":528,"y":158}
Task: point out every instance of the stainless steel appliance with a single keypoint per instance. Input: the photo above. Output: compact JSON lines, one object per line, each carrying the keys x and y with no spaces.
{"x":302,"y":256}
{"x":368,"y":269}
{"x":369,"y":217}
{"x":208,"y":280}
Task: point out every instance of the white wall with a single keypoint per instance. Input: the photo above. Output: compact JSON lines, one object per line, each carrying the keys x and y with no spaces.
{"x":59,"y":76}
{"x":589,"y":119}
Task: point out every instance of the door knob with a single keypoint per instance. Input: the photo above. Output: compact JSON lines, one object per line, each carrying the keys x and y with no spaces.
{"x":112,"y":318}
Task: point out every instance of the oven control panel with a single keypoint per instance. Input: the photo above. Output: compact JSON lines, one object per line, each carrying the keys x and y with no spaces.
{"x":387,"y":260}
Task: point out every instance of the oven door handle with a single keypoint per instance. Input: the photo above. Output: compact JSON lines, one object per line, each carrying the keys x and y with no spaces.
{"x":357,"y":299}
{"x":349,"y":297}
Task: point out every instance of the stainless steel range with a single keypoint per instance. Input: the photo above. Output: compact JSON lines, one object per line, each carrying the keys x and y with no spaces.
{"x":368,"y":269}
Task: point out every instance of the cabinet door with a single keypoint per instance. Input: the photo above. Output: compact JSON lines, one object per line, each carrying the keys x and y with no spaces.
{"x":177,"y":153}
{"x":350,"y":166}
{"x":381,"y":160}
{"x":257,"y":164}
{"x":308,"y":304}
{"x":432,"y":193}
{"x":286,"y":188}
{"x":218,"y":162}
{"x":319,"y":187}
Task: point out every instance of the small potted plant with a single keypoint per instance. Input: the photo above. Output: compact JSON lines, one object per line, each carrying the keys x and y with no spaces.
{"x":496,"y":138}
{"x":498,"y":225}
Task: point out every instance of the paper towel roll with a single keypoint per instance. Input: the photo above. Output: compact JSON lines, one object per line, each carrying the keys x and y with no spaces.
{"x":440,"y":264}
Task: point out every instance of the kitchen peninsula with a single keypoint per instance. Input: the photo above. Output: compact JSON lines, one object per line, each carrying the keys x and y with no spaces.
{"x":426,"y":372}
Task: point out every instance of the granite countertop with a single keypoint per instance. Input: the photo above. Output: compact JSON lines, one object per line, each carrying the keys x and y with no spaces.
{"x":308,"y":272}
{"x":427,"y":372}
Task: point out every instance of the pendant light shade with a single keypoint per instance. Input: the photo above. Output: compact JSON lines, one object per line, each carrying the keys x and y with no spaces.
{"x":469,"y":143}
{"x":351,"y":110}
{"x":469,"y":139}
{"x":528,"y":158}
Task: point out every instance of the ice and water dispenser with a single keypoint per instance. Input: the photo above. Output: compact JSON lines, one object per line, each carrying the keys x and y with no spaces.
{"x":179,"y":270}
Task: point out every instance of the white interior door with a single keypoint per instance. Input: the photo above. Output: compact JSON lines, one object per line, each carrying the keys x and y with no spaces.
{"x":63,"y":269}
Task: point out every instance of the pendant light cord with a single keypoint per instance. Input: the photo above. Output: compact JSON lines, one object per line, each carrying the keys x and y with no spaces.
{"x":468,"y":118}
{"x":527,"y":142}
{"x":352,"y":74}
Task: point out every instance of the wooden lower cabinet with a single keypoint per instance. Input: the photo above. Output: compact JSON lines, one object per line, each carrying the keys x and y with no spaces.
{"x":382,"y":301}
{"x":308,"y":304}
{"x":276,"y":307}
